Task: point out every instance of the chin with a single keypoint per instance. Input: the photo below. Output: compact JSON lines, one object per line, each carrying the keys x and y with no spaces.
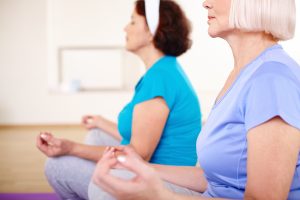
{"x":127,"y":48}
{"x":212,"y":34}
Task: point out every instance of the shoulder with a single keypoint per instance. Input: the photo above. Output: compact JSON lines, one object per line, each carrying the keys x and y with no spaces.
{"x":164,"y":69}
{"x":272,"y":71}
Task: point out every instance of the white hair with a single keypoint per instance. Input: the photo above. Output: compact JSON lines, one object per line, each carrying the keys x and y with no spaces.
{"x":275,"y":17}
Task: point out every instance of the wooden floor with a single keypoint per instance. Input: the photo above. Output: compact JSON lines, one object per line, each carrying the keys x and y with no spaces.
{"x":21,"y":163}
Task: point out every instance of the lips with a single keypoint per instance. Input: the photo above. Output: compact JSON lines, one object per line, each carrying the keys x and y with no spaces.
{"x":210,"y":18}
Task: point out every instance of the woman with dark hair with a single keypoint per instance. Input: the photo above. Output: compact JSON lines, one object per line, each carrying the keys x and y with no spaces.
{"x":161,"y":122}
{"x":249,"y":147}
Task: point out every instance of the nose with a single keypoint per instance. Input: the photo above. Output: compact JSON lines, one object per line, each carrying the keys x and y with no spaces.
{"x":206,"y":5}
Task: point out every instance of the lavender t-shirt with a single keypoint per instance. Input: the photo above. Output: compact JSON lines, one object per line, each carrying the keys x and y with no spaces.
{"x":269,"y":86}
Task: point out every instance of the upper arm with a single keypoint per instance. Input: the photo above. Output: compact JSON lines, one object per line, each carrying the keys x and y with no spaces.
{"x":273,"y":149}
{"x":149,"y":119}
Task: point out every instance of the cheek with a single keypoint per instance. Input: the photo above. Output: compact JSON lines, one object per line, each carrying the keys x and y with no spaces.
{"x":140,"y":38}
{"x":223,"y":23}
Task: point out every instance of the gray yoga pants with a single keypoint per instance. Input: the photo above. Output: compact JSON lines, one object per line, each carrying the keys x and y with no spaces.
{"x":70,"y":176}
{"x":96,"y":193}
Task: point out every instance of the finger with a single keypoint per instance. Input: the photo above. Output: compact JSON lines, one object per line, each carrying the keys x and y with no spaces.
{"x":86,"y":118}
{"x":120,"y":148}
{"x":89,"y":126}
{"x":46,"y":135}
{"x":108,"y":182}
{"x":105,"y":164}
{"x":56,"y":142}
{"x":128,"y":150}
{"x":106,"y":155}
{"x":83,"y":119}
{"x":107,"y":149}
{"x":118,"y":153}
{"x":43,"y":136}
{"x":39,"y":142}
{"x":41,"y":145}
{"x":101,"y":170}
{"x":125,"y":150}
{"x":133,"y":163}
{"x":48,"y":138}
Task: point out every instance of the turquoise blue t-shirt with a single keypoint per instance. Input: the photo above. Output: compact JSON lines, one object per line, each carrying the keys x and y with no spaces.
{"x":267,"y":87}
{"x":166,"y":79}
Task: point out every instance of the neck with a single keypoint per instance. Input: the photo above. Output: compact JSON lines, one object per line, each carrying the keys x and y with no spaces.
{"x":246,"y":46}
{"x":150,"y":55}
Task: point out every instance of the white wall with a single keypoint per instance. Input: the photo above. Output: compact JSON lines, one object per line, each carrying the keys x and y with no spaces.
{"x":210,"y":60}
{"x":25,"y":98}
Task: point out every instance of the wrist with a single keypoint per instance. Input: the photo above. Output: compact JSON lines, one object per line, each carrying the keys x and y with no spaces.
{"x":71,"y":148}
{"x":100,"y":122}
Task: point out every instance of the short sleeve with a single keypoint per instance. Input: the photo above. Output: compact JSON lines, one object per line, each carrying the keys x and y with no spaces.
{"x":156,"y":85}
{"x":273,"y":92}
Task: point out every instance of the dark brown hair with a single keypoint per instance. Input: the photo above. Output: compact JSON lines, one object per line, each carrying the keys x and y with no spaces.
{"x":173,"y":31}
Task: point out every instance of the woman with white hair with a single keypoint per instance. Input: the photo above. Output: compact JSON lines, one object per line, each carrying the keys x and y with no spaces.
{"x":249,"y":147}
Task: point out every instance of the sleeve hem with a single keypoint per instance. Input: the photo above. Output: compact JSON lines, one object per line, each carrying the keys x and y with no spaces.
{"x":287,"y":119}
{"x":152,"y":97}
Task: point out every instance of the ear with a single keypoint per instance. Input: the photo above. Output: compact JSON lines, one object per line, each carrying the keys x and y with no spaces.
{"x":150,"y":35}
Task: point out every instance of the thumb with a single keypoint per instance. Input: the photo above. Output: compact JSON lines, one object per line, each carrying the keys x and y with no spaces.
{"x":48,"y":138}
{"x":135,"y":164}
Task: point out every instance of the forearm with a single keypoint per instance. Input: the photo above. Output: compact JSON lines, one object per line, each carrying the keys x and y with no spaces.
{"x":185,"y":176}
{"x":88,"y":152}
{"x":111,"y":128}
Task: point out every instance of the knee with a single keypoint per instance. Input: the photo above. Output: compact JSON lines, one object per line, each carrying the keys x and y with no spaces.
{"x":53,"y":168}
{"x":68,"y":167}
{"x":97,"y":193}
{"x":92,"y":138}
{"x":69,"y":176}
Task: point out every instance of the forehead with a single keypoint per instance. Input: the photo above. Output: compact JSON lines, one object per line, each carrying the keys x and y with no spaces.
{"x":135,"y":15}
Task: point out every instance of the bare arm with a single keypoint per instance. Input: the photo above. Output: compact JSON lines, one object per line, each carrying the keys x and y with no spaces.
{"x":53,"y":147}
{"x":185,"y":176}
{"x":96,"y":121}
{"x":146,"y":185}
{"x":149,"y":119}
{"x":88,"y":152}
{"x":273,"y":149}
{"x":111,"y":128}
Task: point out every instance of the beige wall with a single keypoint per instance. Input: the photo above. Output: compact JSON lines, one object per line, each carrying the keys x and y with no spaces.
{"x":24,"y":94}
